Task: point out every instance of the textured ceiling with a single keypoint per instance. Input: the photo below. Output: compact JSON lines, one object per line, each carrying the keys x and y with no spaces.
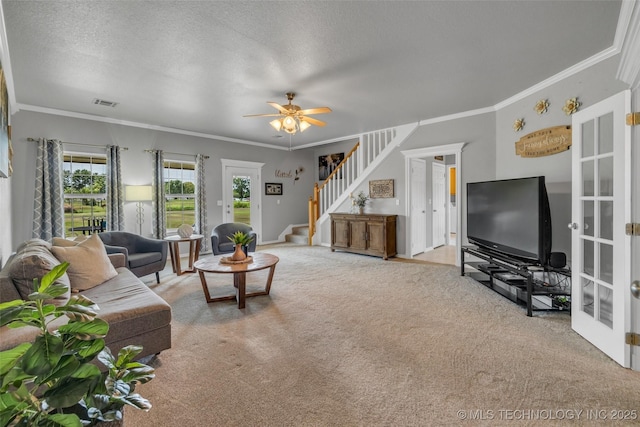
{"x":200,"y":66}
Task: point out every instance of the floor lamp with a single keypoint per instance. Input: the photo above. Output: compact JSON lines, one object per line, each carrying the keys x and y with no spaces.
{"x":138,"y":194}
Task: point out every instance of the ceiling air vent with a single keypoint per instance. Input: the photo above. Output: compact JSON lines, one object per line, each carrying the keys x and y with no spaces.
{"x":104,"y":102}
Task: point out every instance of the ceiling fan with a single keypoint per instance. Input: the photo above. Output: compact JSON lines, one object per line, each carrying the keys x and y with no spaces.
{"x":291,"y":117}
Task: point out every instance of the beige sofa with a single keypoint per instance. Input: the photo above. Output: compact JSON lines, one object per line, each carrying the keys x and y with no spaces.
{"x":136,"y":314}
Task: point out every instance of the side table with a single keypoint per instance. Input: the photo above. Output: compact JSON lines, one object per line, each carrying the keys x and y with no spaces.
{"x":194,"y":240}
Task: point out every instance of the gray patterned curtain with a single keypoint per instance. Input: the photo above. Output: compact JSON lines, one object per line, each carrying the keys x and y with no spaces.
{"x":159,"y":208}
{"x":115,"y":194}
{"x":201,"y":201}
{"x":48,"y":207}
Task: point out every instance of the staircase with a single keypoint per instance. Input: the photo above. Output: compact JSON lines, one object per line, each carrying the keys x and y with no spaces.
{"x":299,"y":235}
{"x":361,"y":161}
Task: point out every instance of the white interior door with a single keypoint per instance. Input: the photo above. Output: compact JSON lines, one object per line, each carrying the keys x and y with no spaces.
{"x":418,"y":206}
{"x":439,"y":217}
{"x":248,"y":210}
{"x":600,"y":249}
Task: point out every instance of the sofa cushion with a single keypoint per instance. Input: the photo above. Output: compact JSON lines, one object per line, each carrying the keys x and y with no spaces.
{"x":144,"y":258}
{"x":61,"y":241}
{"x":89,"y":264}
{"x":129,"y":306}
{"x":32,"y":261}
{"x":8,"y":291}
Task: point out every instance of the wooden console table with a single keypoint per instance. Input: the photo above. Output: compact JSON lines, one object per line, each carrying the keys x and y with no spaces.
{"x":368,"y":234}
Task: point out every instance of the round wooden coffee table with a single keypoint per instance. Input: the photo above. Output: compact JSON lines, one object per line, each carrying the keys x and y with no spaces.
{"x":260,"y":261}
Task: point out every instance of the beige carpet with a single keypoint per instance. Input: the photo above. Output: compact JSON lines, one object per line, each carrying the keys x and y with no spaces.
{"x":351,"y":340}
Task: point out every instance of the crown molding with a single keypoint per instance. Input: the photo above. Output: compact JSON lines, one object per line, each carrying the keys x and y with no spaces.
{"x":629,"y":32}
{"x":580,"y":66}
{"x":109,"y":120}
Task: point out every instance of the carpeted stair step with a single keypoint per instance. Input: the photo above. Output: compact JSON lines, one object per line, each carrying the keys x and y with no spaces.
{"x":299,"y":235}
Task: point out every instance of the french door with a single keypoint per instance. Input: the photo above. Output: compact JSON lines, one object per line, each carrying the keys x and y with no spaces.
{"x":601,"y":251}
{"x":241,"y":195}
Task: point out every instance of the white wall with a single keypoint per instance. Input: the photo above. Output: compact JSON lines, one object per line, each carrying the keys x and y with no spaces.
{"x":590,"y":86}
{"x":137,"y":168}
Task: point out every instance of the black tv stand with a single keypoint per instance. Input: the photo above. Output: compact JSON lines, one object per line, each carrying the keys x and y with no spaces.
{"x":539,"y":288}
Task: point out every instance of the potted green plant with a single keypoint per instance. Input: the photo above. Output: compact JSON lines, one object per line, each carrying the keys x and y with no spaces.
{"x":360,"y":201}
{"x":47,"y":382}
{"x":115,"y":390}
{"x":241,"y":240}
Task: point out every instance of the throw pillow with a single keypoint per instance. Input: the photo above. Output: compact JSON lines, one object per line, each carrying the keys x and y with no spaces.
{"x":61,"y":241}
{"x":32,"y":262}
{"x":89,"y":264}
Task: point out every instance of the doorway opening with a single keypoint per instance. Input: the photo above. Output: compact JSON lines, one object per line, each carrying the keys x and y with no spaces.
{"x":446,"y":219}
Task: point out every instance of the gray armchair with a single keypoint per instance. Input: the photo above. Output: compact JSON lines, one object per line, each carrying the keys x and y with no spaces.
{"x":220,"y":242}
{"x":143,"y":255}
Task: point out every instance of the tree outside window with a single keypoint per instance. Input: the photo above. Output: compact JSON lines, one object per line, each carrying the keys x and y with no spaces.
{"x":85,"y":190}
{"x":179,"y":188}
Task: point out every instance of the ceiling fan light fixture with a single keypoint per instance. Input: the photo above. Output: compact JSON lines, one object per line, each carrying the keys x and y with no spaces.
{"x":289,"y":124}
{"x":292,"y":118}
{"x":276,"y":124}
{"x":304,"y":125}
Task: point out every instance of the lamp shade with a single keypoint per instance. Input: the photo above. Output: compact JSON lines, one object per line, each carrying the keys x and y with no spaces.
{"x":138,"y":193}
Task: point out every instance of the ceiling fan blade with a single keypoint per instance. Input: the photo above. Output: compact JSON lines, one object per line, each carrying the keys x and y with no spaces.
{"x":278,"y":107}
{"x":319,"y":110}
{"x":263,"y":115}
{"x":313,"y":121}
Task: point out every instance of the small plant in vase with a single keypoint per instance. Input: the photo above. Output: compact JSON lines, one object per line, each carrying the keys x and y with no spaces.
{"x":241,"y":240}
{"x":360,"y":201}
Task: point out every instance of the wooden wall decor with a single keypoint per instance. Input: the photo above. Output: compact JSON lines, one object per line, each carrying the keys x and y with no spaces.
{"x":381,"y":188}
{"x":545,"y":142}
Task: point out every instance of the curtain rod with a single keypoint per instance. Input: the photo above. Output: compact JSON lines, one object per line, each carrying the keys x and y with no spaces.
{"x":79,"y":143}
{"x":179,"y":154}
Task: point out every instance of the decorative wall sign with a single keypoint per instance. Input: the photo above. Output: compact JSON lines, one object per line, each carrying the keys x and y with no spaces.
{"x":545,"y":142}
{"x":273,"y":189}
{"x":518,"y":124}
{"x":541,"y":106}
{"x":571,"y":106}
{"x":381,"y":189}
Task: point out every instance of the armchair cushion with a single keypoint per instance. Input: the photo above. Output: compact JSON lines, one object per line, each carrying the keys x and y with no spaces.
{"x":143,"y":255}
{"x":220,"y":242}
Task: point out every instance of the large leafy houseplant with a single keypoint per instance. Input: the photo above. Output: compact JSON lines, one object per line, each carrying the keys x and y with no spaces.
{"x":51,"y":380}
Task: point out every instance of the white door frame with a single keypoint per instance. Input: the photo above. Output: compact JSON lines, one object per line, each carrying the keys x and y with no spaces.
{"x":227,"y":165}
{"x":438,"y":191}
{"x":448,"y":202}
{"x":418,"y":214}
{"x":444,"y":150}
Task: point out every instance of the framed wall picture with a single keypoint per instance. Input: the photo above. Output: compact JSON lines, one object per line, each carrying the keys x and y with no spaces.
{"x":4,"y":126}
{"x":273,"y":189}
{"x":327,"y":164}
{"x":381,"y":188}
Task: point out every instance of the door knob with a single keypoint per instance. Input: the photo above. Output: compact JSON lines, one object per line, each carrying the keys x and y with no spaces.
{"x":573,"y":226}
{"x":635,"y":289}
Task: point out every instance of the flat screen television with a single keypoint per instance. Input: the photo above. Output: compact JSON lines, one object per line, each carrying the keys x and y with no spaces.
{"x":512,"y":217}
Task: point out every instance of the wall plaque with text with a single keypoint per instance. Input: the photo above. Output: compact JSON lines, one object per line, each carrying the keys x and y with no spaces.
{"x":545,"y":142}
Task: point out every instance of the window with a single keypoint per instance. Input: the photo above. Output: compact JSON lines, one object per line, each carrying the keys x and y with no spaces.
{"x":85,"y":192}
{"x":179,"y":189}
